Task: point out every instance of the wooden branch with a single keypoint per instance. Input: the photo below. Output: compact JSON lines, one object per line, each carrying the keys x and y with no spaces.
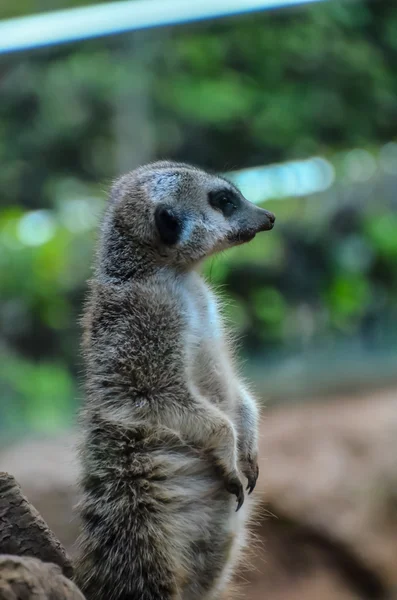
{"x":23,"y":532}
{"x":22,"y":577}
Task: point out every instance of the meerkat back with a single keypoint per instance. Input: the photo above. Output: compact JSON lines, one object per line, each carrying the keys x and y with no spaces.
{"x":168,"y":429}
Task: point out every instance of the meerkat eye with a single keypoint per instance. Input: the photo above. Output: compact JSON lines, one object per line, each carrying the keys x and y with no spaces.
{"x":225,"y":201}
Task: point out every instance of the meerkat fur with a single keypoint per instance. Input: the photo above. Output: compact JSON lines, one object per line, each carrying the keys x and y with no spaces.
{"x":169,"y":430}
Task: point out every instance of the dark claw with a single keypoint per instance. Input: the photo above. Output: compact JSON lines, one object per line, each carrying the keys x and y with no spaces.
{"x":235,"y":487}
{"x":252,"y":477}
{"x":250,"y":488}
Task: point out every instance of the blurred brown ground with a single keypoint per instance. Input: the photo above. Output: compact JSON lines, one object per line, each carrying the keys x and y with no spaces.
{"x":327,"y":528}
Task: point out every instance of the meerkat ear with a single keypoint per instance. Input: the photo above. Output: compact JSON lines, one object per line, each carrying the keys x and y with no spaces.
{"x":169,"y":224}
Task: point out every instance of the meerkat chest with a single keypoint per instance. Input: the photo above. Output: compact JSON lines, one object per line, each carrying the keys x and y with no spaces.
{"x":204,"y":324}
{"x":208,"y":363}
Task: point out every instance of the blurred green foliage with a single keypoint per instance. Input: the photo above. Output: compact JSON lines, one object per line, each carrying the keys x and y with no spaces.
{"x":226,"y":95}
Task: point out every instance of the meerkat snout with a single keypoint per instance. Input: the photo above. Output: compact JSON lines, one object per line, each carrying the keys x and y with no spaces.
{"x":253,"y":221}
{"x":268,"y":220}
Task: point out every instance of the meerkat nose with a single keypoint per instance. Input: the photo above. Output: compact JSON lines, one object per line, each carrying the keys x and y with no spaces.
{"x":271,"y":217}
{"x":268,"y":221}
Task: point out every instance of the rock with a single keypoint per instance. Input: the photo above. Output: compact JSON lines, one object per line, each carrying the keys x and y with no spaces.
{"x":23,"y":578}
{"x":46,"y":470}
{"x":23,"y":531}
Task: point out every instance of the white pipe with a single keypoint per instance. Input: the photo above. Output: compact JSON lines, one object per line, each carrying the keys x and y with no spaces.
{"x":70,"y":25}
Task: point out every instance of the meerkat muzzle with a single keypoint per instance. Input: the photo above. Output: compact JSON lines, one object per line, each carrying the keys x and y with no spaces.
{"x":268,"y":220}
{"x":261,"y":220}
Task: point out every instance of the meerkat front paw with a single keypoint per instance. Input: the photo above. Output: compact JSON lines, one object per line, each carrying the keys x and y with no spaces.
{"x":250,"y":469}
{"x":234,"y":486}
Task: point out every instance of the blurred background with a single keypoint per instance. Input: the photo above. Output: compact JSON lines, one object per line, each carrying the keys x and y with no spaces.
{"x":298,"y":105}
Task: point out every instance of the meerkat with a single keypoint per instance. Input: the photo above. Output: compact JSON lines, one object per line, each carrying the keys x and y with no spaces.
{"x":169,"y":429}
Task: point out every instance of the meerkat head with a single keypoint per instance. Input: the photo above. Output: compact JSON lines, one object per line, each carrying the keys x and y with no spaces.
{"x":176,"y":214}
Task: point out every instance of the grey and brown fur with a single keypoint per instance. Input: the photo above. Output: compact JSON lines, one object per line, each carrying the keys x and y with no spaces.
{"x":169,"y":429}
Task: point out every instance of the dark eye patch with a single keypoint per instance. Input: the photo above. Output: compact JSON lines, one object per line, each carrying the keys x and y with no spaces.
{"x":224,"y":200}
{"x":169,"y":224}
